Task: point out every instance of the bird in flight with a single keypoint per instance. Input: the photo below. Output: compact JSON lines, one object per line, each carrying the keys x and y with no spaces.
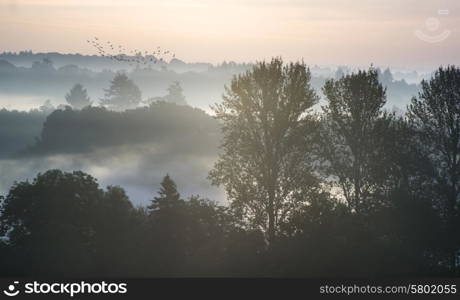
{"x":135,"y":57}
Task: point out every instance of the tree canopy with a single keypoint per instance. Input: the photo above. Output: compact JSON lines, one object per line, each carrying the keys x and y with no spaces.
{"x":349,"y":191}
{"x":354,"y":106}
{"x":264,"y":165}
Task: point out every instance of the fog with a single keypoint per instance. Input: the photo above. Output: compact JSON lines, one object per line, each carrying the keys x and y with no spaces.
{"x":139,"y":170}
{"x":117,"y":150}
{"x":49,"y":76}
{"x":134,"y":149}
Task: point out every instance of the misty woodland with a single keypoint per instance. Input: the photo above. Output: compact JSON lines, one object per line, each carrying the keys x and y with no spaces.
{"x":320,"y":180}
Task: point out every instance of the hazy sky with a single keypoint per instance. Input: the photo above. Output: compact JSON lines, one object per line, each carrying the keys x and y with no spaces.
{"x":359,"y":32}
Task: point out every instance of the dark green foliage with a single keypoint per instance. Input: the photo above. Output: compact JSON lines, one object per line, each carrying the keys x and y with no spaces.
{"x":356,"y":191}
{"x":354,"y":105}
{"x":168,"y":198}
{"x":76,"y":131}
{"x":264,"y":165}
{"x":50,"y":222}
{"x":63,"y":224}
{"x":435,"y":117}
{"x":191,"y":237}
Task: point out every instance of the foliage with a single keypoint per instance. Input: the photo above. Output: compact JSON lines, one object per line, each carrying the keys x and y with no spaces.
{"x":354,"y":106}
{"x":264,"y":165}
{"x":435,"y":117}
{"x":76,"y":131}
{"x":355,"y":191}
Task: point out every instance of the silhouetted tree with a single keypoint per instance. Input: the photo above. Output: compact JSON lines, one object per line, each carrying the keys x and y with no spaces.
{"x":168,"y":196}
{"x":64,"y":224}
{"x":396,"y":178}
{"x":207,"y":229}
{"x":122,"y":94}
{"x":168,"y":218}
{"x":264,"y":166}
{"x":354,"y":104}
{"x":78,"y":97}
{"x":49,"y":222}
{"x":435,"y":115}
{"x":118,"y":234}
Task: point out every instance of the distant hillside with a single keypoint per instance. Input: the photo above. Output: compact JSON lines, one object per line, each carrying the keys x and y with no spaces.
{"x":44,"y":76}
{"x":93,"y":62}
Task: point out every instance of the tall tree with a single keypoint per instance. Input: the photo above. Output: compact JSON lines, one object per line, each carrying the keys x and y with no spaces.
{"x":168,"y":196}
{"x":354,"y":105}
{"x":122,"y":94}
{"x":263,"y":164}
{"x":50,"y":222}
{"x":78,"y":97}
{"x":168,"y":221}
{"x":435,"y":114}
{"x":64,"y":224}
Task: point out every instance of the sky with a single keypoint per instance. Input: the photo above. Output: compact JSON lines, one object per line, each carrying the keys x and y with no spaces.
{"x":417,"y":34}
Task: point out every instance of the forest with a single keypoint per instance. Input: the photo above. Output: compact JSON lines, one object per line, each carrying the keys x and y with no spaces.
{"x":51,"y":75}
{"x":351,"y":189}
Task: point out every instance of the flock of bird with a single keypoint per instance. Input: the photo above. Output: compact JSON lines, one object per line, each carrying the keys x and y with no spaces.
{"x":134,"y":57}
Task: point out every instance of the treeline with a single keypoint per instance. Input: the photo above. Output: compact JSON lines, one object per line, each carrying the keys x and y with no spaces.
{"x":76,"y":131}
{"x":390,"y":182}
{"x":64,"y":224}
{"x":351,"y":191}
{"x":66,"y":130}
{"x":94,"y":62}
{"x":45,"y":80}
{"x":51,"y":76}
